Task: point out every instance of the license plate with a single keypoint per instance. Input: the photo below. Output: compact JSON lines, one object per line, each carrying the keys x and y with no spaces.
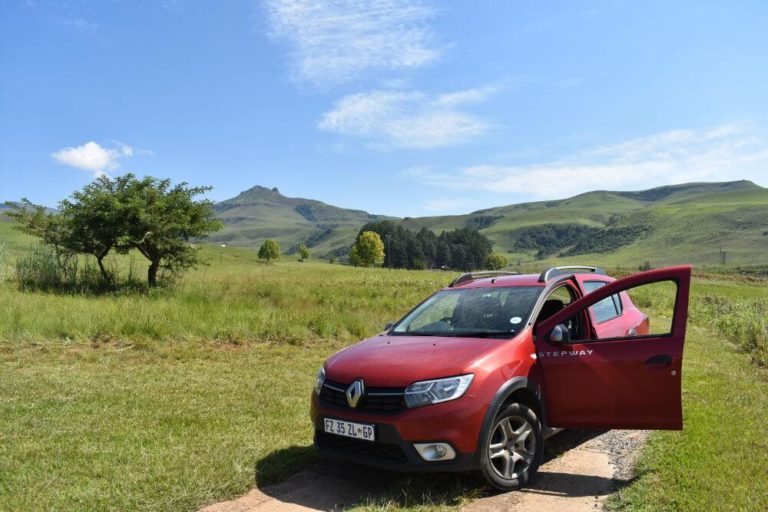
{"x":349,"y":429}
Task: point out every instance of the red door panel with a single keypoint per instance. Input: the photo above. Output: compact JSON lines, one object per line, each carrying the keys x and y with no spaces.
{"x":617,"y":382}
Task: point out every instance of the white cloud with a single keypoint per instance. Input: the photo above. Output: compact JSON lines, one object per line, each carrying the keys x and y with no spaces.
{"x":726,"y":152}
{"x":335,"y":41}
{"x":93,"y":157}
{"x":408,"y":119}
{"x":476,"y":95}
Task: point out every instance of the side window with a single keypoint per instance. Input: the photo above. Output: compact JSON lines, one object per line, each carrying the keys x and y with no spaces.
{"x":557,"y":300}
{"x":649,"y":310}
{"x":606,"y":309}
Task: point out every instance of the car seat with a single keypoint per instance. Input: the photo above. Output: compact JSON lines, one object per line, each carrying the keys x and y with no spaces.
{"x":550,"y":307}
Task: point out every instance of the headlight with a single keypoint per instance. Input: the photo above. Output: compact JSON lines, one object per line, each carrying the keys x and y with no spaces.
{"x":429,"y":392}
{"x":319,"y":380}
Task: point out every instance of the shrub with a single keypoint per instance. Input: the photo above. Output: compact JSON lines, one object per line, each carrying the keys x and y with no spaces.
{"x":44,"y":268}
{"x":269,"y":250}
{"x":495,"y":261}
{"x":742,"y":322}
{"x":303,"y":252}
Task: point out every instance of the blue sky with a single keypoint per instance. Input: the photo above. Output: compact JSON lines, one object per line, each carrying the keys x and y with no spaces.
{"x":399,"y":107}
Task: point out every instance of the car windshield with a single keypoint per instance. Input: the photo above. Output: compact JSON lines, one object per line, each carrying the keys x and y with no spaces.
{"x":471,"y":312}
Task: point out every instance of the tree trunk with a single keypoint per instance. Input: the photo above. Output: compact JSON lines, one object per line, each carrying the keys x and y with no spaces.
{"x":152,"y":273}
{"x":104,"y":274}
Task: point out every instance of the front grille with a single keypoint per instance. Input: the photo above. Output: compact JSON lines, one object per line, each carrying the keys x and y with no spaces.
{"x":383,"y":452}
{"x":380,"y":400}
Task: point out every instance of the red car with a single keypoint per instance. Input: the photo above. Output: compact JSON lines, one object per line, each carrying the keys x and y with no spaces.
{"x":477,"y":375}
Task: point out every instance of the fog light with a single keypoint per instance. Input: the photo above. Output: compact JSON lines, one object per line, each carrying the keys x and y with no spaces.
{"x":432,"y":452}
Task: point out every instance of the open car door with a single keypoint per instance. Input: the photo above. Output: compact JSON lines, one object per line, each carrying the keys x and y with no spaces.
{"x":631,"y":381}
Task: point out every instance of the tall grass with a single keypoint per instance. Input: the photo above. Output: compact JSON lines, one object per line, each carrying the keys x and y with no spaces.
{"x":284,"y":303}
{"x":44,"y":268}
{"x":741,"y":321}
{"x":3,"y":250}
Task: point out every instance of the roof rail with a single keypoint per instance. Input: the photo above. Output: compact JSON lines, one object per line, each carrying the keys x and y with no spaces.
{"x":471,"y":276}
{"x":561,"y":271}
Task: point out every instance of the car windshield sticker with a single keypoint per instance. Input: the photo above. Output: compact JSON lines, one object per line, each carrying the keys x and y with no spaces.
{"x":515,"y":320}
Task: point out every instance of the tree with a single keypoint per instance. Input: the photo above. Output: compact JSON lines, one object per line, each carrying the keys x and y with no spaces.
{"x":354,"y":257}
{"x":495,"y":261}
{"x":459,"y":258}
{"x":303,"y":252}
{"x":123,"y":214}
{"x":424,"y":249}
{"x":368,"y":250}
{"x":159,"y":220}
{"x":269,"y":250}
{"x":443,"y":258}
{"x":95,"y":218}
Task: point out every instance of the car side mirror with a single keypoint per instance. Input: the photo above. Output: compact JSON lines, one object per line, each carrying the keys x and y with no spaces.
{"x":560,"y":334}
{"x":388,"y":325}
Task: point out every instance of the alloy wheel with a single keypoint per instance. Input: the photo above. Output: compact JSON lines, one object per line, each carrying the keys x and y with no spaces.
{"x":512,"y":447}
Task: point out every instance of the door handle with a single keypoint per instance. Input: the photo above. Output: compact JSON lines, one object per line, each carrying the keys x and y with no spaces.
{"x":659,"y":360}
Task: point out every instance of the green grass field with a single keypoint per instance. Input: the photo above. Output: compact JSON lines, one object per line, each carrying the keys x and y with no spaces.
{"x":182,"y":397}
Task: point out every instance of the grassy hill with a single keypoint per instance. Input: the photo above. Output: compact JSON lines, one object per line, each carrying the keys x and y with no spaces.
{"x":13,"y":241}
{"x":260,"y":213}
{"x":691,"y":222}
{"x":665,"y":225}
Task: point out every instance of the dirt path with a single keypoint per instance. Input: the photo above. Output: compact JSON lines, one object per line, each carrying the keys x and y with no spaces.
{"x":578,"y":480}
{"x":581,"y":470}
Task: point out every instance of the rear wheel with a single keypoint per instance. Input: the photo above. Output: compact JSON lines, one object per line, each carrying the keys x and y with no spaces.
{"x":514,"y":448}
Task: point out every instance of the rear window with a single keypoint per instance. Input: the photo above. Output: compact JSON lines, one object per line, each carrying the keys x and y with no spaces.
{"x":608,"y":308}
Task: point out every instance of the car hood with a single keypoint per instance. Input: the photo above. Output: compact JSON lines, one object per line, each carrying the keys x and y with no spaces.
{"x":397,"y":361}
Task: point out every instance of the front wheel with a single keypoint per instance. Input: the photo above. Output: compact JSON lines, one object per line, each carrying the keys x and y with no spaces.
{"x":514,"y":448}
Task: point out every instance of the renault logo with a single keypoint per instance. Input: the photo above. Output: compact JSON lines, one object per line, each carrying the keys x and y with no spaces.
{"x":355,"y":392}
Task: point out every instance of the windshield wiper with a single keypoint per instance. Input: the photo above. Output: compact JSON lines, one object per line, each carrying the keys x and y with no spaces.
{"x":480,"y":334}
{"x":458,"y":334}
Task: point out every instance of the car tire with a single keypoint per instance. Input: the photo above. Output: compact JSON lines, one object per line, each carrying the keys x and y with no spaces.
{"x":513,"y":448}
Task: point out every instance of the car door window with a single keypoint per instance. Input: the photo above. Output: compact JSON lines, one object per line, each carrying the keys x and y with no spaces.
{"x":649,"y":311}
{"x":557,"y":300}
{"x":606,"y":309}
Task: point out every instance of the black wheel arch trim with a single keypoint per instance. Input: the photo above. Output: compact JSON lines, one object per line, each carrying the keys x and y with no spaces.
{"x":504,"y":392}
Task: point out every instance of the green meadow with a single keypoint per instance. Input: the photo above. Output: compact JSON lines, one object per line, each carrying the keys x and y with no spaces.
{"x":180,"y":397}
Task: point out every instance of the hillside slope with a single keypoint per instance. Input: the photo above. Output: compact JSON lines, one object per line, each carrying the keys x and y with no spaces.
{"x":673,"y":224}
{"x":260,"y":213}
{"x":664,"y":225}
{"x":688,"y":223}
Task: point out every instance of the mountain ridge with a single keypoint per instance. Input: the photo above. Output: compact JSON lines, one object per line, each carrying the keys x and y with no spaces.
{"x":683,"y":223}
{"x":618,"y":226}
{"x":260,"y":212}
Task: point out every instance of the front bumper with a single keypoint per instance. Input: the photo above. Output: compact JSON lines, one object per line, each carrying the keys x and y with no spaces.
{"x":389,"y":451}
{"x":457,"y":423}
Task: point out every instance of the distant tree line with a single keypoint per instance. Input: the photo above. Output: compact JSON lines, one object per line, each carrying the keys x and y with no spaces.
{"x":609,"y":239}
{"x":548,"y":239}
{"x":459,"y":249}
{"x":574,"y":239}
